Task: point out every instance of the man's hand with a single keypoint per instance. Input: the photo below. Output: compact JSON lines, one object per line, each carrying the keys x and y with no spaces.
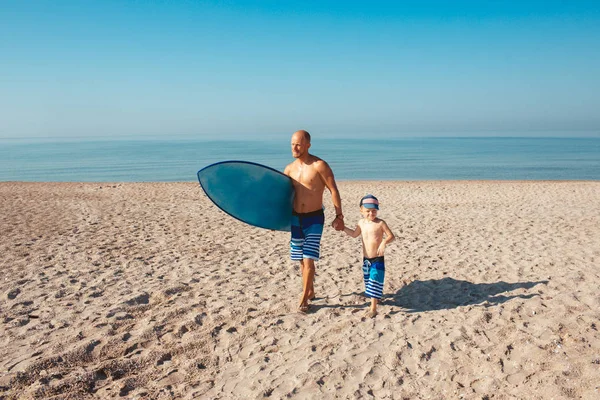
{"x":338,"y":224}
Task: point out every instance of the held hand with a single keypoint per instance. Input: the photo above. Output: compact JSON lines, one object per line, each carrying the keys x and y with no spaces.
{"x":338,"y":224}
{"x":381,"y":249}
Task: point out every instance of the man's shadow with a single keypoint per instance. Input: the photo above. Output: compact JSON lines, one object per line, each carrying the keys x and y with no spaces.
{"x":447,"y":293}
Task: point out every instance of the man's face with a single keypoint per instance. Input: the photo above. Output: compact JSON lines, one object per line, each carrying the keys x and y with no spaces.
{"x":299,"y":145}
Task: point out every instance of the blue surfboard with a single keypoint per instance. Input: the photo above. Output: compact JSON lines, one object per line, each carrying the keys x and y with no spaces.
{"x":253,"y":193}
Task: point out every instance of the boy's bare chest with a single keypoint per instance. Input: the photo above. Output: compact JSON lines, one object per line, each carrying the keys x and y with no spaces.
{"x":371,"y":229}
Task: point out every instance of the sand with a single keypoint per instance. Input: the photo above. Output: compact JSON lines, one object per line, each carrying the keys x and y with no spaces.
{"x":147,"y":290}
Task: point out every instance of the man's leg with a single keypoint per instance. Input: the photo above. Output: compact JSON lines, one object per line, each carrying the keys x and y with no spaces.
{"x":312,"y":229}
{"x":308,"y":276}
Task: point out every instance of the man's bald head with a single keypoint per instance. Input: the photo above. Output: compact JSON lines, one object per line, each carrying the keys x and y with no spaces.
{"x":300,"y":144}
{"x":304,"y":134}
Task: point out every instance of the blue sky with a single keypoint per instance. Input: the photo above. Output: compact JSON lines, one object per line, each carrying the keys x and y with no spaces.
{"x":207,"y":68}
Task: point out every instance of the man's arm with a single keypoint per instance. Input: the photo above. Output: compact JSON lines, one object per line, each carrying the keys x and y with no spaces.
{"x":327,"y":176}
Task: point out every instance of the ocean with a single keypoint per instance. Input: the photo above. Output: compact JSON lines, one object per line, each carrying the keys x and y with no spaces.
{"x":432,"y":158}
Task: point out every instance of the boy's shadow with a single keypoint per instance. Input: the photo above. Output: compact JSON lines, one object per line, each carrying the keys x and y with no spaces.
{"x":446,"y":293}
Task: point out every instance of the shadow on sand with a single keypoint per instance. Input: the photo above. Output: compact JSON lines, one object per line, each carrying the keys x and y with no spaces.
{"x":446,"y":293}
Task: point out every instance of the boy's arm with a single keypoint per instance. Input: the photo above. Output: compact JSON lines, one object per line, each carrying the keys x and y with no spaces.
{"x":389,"y":237}
{"x":353,"y":233}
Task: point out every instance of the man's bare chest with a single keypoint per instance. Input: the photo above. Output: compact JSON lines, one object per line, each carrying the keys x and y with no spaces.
{"x":307,"y":177}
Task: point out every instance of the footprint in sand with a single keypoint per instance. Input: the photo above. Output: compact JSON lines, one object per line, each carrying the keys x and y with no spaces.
{"x":12,"y":294}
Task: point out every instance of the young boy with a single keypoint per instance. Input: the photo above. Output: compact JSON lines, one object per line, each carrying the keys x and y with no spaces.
{"x":372,"y":230}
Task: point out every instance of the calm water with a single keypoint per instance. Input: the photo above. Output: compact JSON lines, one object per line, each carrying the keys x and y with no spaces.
{"x":354,"y":159}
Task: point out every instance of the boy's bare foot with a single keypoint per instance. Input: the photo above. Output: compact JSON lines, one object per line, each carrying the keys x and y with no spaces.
{"x":371,"y":313}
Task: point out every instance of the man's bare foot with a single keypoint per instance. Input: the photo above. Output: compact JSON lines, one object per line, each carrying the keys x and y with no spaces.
{"x":303,"y":308}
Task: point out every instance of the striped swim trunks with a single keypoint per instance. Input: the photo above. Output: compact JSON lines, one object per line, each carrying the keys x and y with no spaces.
{"x":374,"y":273}
{"x":307,"y":229}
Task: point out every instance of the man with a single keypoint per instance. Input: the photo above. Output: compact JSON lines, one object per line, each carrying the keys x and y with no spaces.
{"x":310,"y":176}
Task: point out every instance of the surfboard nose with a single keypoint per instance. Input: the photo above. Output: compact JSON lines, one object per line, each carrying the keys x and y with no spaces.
{"x":252,"y":193}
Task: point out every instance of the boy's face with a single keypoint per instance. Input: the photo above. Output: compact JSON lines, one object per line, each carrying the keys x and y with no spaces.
{"x":368,"y":213}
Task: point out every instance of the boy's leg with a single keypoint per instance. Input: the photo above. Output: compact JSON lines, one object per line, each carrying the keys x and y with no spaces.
{"x":373,"y":310}
{"x":366,"y":269}
{"x":375,"y":285}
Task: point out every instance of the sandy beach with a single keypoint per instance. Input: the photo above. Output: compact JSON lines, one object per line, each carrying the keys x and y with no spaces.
{"x":147,"y":290}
